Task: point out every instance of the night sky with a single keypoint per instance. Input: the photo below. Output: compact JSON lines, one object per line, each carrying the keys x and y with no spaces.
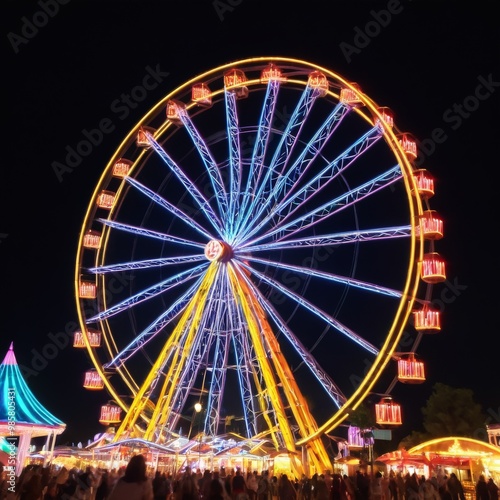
{"x":68,"y":66}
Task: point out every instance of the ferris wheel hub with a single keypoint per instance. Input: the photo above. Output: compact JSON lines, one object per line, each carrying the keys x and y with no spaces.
{"x":218,"y":250}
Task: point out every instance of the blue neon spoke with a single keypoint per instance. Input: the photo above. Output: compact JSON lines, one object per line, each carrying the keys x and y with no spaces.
{"x":285,"y":183}
{"x":331,"y":239}
{"x":334,"y":278}
{"x":146,"y":264}
{"x":259,"y":150}
{"x":241,"y":345}
{"x":233,"y":135}
{"x":320,"y":181}
{"x":209,"y":162}
{"x":155,"y":327}
{"x":344,"y":330}
{"x":313,"y":149}
{"x":201,"y":201}
{"x":331,"y":389}
{"x":328,"y":174}
{"x":179,"y":214}
{"x":150,"y":292}
{"x":336,"y":205}
{"x":287,"y":142}
{"x":217,"y":384}
{"x":195,"y":361}
{"x":140,"y":231}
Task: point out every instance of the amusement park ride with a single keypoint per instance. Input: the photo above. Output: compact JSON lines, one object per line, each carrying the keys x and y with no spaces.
{"x":257,"y":245}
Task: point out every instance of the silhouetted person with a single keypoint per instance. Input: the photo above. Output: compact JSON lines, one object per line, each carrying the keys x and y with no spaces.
{"x":482,"y":492}
{"x":134,"y":484}
{"x":455,"y":488}
{"x":493,"y":489}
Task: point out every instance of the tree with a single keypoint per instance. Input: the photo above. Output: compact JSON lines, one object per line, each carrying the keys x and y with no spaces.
{"x":449,"y":412}
{"x":362,"y":417}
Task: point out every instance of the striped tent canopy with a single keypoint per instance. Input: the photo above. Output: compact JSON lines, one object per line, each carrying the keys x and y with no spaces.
{"x":22,"y":416}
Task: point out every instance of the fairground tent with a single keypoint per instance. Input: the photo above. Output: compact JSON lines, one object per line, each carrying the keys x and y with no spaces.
{"x":22,"y":416}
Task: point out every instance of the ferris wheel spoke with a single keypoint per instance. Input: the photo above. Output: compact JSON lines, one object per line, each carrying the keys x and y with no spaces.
{"x":327,"y":209}
{"x":328,"y":174}
{"x":301,"y":301}
{"x":245,"y":360}
{"x":330,"y":239}
{"x":273,"y":367}
{"x":282,"y":153}
{"x":151,"y":234}
{"x":331,"y":389}
{"x":218,"y":381}
{"x":186,"y":383}
{"x":154,"y":328}
{"x":211,"y":166}
{"x":179,"y":214}
{"x":333,"y":278}
{"x":259,"y":150}
{"x":312,"y":149}
{"x":318,"y":182}
{"x":170,"y":384}
{"x":151,"y":292}
{"x":226,"y":319}
{"x":177,"y":352}
{"x":146,"y":264}
{"x":235,"y":166}
{"x":191,"y":188}
{"x":290,"y":179}
{"x":197,"y":339}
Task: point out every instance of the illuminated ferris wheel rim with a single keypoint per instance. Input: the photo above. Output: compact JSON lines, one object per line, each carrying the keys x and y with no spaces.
{"x":216,"y":249}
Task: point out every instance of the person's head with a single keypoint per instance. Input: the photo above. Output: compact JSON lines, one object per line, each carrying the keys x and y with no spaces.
{"x":34,"y":482}
{"x":216,"y":487}
{"x":136,"y":469}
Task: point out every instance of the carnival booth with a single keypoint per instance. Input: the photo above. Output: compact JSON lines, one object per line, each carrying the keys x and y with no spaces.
{"x":227,"y":451}
{"x":467,"y":457}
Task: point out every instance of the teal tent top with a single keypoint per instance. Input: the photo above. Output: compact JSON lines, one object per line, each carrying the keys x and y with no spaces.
{"x":20,"y":410}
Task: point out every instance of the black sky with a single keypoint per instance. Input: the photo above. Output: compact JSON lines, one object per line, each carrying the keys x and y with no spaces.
{"x":68,"y":64}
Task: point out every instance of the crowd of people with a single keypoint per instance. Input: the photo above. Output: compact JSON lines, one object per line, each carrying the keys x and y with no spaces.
{"x":137,"y":482}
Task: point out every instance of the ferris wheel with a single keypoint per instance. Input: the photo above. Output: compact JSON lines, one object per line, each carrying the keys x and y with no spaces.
{"x":257,"y":244}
